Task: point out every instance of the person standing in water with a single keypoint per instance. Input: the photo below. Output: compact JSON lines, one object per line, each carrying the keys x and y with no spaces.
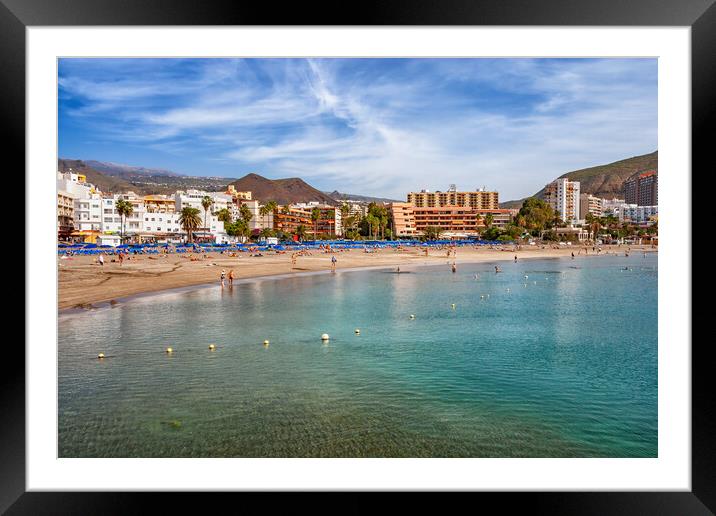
{"x":515,"y":258}
{"x":333,"y":263}
{"x":454,"y":267}
{"x":231,"y":278}
{"x":223,"y":275}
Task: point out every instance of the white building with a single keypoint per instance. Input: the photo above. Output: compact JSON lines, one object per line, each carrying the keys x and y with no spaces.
{"x":638,"y":214}
{"x":563,"y":195}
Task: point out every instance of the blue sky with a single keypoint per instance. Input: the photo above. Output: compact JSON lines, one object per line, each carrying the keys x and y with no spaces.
{"x":367,"y":126}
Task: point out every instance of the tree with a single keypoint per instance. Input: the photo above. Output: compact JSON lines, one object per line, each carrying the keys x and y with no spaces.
{"x":124,"y":209}
{"x":267,"y":208}
{"x":301,"y":232}
{"x":315,"y":215}
{"x":489,"y":218}
{"x":224,"y":215}
{"x":432,"y":232}
{"x":267,"y":232}
{"x":206,"y":203}
{"x":245,"y":213}
{"x":536,"y":213}
{"x":189,"y":220}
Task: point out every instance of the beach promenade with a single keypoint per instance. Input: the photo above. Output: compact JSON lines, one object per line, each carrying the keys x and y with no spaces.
{"x":82,"y":281}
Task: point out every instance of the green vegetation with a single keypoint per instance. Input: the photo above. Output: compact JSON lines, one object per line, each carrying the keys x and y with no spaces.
{"x":189,"y":220}
{"x":206,"y":203}
{"x":125,"y":209}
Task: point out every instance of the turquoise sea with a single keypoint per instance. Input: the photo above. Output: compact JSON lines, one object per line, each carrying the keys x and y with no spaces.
{"x":563,"y":364}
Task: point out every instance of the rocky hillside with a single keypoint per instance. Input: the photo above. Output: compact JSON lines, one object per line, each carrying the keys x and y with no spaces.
{"x":283,"y":191}
{"x":604,"y":180}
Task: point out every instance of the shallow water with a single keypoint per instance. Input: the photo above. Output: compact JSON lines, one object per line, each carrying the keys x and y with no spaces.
{"x":564,"y":364}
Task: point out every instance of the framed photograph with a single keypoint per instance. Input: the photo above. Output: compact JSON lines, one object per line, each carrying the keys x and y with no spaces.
{"x":415,"y":250}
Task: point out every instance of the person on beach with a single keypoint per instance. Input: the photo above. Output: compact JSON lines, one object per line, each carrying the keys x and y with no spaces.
{"x":223,"y":276}
{"x":515,"y":258}
{"x":101,"y":260}
{"x":333,"y":263}
{"x":231,"y":278}
{"x":454,"y":267}
{"x":572,"y":255}
{"x":121,"y":258}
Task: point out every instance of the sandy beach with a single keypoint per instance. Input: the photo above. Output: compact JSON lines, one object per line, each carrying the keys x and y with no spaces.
{"x":82,"y":281}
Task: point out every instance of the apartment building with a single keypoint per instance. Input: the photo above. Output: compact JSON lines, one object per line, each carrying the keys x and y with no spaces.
{"x":642,"y":189}
{"x":563,"y":196}
{"x":589,"y":204}
{"x":478,"y":199}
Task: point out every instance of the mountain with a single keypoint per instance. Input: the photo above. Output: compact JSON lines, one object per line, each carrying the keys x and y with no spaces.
{"x":338,"y":196}
{"x":113,"y":178}
{"x":118,"y":169}
{"x":283,"y":191}
{"x":104,"y":182}
{"x":603,"y":180}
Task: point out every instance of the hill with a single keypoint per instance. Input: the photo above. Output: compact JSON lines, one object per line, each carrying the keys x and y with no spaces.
{"x":283,"y":191}
{"x":121,"y":170}
{"x":603,"y":180}
{"x":114,"y":178}
{"x":338,"y":196}
{"x":103,"y":182}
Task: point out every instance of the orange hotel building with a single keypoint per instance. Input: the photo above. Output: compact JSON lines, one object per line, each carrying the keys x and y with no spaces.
{"x":454,"y":221}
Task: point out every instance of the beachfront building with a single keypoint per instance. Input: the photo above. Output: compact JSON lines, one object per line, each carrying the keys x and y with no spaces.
{"x":479,"y":199}
{"x":611,"y":206}
{"x":572,"y":233}
{"x":288,"y":219}
{"x":642,"y":189}
{"x":563,"y":196}
{"x":236,"y":195}
{"x":453,"y":221}
{"x":159,"y":204}
{"x":638,"y":214}
{"x":193,"y":198}
{"x":65,"y":215}
{"x":589,"y":204}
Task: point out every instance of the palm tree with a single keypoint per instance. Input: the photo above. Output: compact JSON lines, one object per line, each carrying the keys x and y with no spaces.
{"x":267,"y":208}
{"x":124,"y":208}
{"x":301,"y":232}
{"x":206,"y":203}
{"x":189,"y":220}
{"x":246,"y":214}
{"x":315,"y":215}
{"x":489,"y":218}
{"x":224,"y":215}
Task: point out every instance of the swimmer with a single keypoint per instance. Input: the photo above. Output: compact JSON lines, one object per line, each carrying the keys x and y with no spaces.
{"x":454,"y":267}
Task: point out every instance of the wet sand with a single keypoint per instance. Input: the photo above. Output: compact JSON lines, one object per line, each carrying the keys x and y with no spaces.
{"x":83,"y":282}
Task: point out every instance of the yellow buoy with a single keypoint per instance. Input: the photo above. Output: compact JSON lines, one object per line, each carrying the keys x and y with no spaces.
{"x":101,"y":355}
{"x":325,"y":336}
{"x":169,"y":350}
{"x":212,"y":347}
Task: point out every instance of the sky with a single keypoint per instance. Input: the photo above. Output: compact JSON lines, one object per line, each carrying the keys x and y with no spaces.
{"x":379,"y":127}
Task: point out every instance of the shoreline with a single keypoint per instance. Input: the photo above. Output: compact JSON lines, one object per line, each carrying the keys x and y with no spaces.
{"x":84,"y":287}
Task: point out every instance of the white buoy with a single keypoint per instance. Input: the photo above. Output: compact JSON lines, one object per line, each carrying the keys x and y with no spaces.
{"x":357,"y":331}
{"x":266,"y":343}
{"x":169,"y":350}
{"x":325,"y":336}
{"x":526,"y":276}
{"x":212,"y":347}
{"x":100,"y":356}
{"x":412,"y":316}
{"x":453,"y":306}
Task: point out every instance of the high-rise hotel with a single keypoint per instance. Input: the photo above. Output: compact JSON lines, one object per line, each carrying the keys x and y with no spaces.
{"x":642,"y":189}
{"x":456,"y":214}
{"x":563,"y":195}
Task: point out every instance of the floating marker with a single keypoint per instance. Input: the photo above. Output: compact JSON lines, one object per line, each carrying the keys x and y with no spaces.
{"x":100,"y":356}
{"x":357,"y":331}
{"x":266,"y":343}
{"x":169,"y":350}
{"x":212,"y":347}
{"x":325,"y":336}
{"x":412,"y":316}
{"x":453,"y":306}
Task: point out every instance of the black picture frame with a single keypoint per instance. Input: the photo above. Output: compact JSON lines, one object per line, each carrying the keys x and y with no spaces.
{"x":700,"y":15}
